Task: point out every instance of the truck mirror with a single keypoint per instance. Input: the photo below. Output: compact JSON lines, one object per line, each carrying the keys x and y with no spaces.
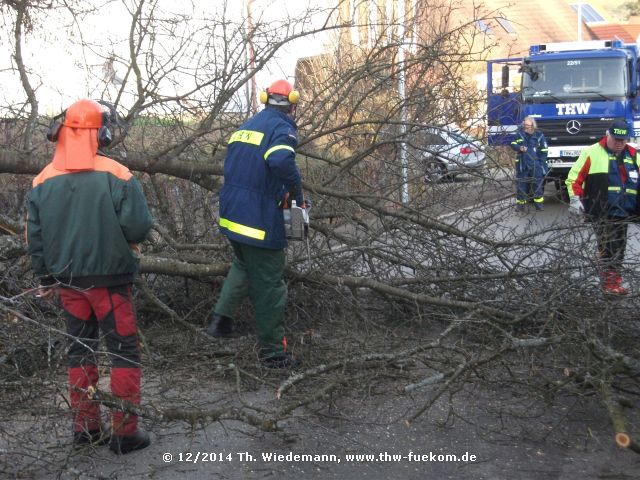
{"x":505,"y":76}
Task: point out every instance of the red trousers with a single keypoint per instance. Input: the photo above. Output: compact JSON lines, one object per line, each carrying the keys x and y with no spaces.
{"x":106,"y":311}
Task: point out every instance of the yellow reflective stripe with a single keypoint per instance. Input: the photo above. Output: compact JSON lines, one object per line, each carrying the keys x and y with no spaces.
{"x":247,"y":136}
{"x":277,"y":147}
{"x":617,"y":189}
{"x":242,"y":229}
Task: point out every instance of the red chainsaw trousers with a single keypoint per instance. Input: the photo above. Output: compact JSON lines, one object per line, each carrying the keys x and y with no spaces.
{"x":89,"y":314}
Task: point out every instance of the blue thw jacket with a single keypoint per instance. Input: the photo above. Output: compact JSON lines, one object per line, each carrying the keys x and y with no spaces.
{"x":536,"y":151}
{"x":259,"y":168}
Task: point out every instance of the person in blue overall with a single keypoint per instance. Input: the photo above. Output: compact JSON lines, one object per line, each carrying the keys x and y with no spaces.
{"x":260,"y":174}
{"x":531,"y":164}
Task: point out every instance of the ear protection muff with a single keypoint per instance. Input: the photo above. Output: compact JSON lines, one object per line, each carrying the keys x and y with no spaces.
{"x":293,"y":97}
{"x":53,"y":132}
{"x":105,"y":136}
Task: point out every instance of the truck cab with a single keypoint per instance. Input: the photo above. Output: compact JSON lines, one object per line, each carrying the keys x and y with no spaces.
{"x":574,"y":90}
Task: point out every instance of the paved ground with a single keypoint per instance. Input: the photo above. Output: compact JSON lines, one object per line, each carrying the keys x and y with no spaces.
{"x":516,"y":438}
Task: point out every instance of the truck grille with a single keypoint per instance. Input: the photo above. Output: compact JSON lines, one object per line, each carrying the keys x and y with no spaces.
{"x":591,"y":130}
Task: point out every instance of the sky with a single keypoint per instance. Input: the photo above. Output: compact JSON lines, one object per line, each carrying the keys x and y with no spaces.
{"x":57,"y":62}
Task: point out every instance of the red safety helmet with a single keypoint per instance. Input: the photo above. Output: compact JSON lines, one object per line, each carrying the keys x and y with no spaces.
{"x":281,"y":92}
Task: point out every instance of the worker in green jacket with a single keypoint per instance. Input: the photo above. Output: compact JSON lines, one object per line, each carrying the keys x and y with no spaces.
{"x":86,"y":215}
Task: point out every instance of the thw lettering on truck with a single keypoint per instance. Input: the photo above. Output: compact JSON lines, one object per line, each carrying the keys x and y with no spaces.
{"x":573,"y":108}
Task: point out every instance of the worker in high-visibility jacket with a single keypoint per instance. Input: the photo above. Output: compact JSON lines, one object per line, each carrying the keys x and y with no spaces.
{"x":603,"y":184}
{"x":259,"y":172}
{"x":531,"y":164}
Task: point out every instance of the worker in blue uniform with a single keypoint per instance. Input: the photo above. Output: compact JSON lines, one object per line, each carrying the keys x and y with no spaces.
{"x":260,"y":173}
{"x":531,"y":164}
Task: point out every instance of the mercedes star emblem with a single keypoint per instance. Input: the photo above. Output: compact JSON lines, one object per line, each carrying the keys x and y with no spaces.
{"x":573,"y":126}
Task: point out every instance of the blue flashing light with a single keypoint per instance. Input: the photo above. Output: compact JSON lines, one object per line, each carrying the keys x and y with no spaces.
{"x":617,"y":43}
{"x":534,"y":49}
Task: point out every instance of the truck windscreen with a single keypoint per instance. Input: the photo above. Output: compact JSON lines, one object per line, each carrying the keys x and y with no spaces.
{"x":579,"y":78}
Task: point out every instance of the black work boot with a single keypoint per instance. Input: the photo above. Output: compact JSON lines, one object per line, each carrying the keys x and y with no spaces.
{"x":100,"y":436}
{"x":283,"y":360}
{"x":123,"y":444}
{"x":220,"y":326}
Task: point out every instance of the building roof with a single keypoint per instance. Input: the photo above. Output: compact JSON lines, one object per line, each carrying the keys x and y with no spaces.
{"x":543,"y":21}
{"x":627,"y":31}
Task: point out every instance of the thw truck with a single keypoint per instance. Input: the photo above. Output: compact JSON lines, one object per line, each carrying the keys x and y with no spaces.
{"x":574,"y":90}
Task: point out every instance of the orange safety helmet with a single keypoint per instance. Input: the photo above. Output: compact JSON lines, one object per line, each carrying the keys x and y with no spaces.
{"x":280,"y":92}
{"x":84,"y":114}
{"x":78,"y":136}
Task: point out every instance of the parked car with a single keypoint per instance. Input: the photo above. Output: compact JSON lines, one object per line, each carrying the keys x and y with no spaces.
{"x":446,"y":152}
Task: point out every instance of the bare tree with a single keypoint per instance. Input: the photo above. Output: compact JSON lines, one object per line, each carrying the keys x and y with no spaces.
{"x":432,"y":297}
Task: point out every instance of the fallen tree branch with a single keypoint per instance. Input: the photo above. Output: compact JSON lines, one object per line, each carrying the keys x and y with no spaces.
{"x":323,"y":392}
{"x":10,"y":225}
{"x":166,"y":266}
{"x":506,"y":275}
{"x":12,"y":246}
{"x":515,"y":343}
{"x":432,"y":380}
{"x":167,"y":237}
{"x":452,"y":376}
{"x":403,"y":213}
{"x":622,"y":437}
{"x":295,"y":379}
{"x":613,"y":357}
{"x":192,"y":416}
{"x":419,"y":298}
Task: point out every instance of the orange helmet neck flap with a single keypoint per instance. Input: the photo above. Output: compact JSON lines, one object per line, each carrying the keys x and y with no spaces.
{"x":78,"y":136}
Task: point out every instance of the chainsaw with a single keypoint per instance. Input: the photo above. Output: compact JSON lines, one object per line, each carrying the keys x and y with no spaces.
{"x":296,"y":224}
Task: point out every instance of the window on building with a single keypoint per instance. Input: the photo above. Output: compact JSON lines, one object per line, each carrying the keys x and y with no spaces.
{"x":483,"y":27}
{"x":506,"y":24}
{"x":589,"y":14}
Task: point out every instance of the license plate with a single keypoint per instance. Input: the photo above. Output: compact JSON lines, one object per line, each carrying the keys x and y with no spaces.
{"x":569,"y":153}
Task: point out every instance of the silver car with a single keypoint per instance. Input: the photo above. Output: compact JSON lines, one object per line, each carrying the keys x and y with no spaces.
{"x":446,"y":152}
